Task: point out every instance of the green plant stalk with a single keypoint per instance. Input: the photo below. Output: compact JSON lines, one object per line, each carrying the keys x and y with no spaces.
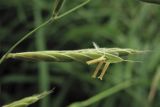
{"x":52,"y":19}
{"x":154,"y":86}
{"x":43,"y":74}
{"x":24,"y":38}
{"x":72,"y":10}
{"x":25,"y":102}
{"x":103,"y":94}
{"x":58,"y":6}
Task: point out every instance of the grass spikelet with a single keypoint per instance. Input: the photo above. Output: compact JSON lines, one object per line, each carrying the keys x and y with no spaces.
{"x":28,"y":100}
{"x":84,"y":55}
{"x":89,"y":56}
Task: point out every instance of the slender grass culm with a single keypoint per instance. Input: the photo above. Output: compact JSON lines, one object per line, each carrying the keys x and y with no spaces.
{"x":55,"y":16}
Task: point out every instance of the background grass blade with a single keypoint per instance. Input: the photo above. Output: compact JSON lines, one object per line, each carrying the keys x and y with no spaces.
{"x":40,"y":42}
{"x":102,"y":95}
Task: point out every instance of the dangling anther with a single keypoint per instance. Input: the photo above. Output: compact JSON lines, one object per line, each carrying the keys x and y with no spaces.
{"x":104,"y":70}
{"x":100,"y":62}
{"x":96,"y":60}
{"x":97,"y":69}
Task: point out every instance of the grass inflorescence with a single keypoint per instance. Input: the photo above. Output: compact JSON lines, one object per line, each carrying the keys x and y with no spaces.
{"x":132,"y":21}
{"x":89,"y":56}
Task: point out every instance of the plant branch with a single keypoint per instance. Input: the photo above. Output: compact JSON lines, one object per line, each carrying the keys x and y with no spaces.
{"x":52,"y":19}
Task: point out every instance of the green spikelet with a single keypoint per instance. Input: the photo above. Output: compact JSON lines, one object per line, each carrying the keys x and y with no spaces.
{"x":113,"y":55}
{"x":101,"y":56}
{"x":25,"y":102}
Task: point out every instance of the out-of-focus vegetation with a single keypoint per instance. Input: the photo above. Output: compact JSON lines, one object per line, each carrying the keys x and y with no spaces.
{"x":109,"y":23}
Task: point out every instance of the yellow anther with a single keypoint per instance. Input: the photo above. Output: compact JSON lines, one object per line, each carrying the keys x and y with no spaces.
{"x":97,"y":69}
{"x":104,"y":70}
{"x":96,"y":60}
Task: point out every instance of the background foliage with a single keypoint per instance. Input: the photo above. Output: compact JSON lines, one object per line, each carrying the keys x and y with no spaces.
{"x":109,"y":23}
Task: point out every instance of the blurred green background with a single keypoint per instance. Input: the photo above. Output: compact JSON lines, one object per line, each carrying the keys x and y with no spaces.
{"x":109,"y":23}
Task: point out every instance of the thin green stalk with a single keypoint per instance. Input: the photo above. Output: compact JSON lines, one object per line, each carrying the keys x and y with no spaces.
{"x":72,"y":10}
{"x":58,"y":6}
{"x":52,"y":19}
{"x":43,"y":74}
{"x":154,"y":87}
{"x":24,"y":38}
